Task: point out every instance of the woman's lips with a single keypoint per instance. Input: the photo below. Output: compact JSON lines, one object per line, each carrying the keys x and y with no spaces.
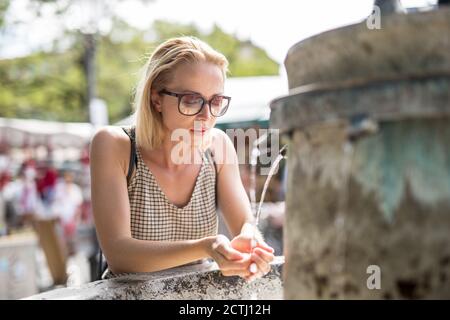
{"x":203,"y":130}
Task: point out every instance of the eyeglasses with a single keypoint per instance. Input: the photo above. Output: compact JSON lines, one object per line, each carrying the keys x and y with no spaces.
{"x":191,"y":104}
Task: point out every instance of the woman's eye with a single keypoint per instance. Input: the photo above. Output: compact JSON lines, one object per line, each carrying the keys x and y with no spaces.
{"x":217,"y":101}
{"x":192,"y":99}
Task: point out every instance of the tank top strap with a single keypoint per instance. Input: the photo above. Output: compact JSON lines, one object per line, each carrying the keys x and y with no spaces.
{"x":130,"y":132}
{"x":210,"y":158}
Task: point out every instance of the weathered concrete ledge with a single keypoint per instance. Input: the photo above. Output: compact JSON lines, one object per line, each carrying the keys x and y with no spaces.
{"x":406,"y":44}
{"x":385,"y":100}
{"x":202,"y":281}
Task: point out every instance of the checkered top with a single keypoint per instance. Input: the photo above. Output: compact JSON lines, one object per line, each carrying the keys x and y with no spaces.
{"x":154,"y":217}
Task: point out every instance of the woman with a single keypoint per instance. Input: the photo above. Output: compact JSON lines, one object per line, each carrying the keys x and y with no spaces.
{"x":164,"y":214}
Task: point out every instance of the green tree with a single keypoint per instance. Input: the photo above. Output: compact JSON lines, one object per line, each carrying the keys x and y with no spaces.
{"x":4,"y":5}
{"x":43,"y":86}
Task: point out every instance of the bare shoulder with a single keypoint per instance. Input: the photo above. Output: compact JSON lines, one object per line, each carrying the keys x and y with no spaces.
{"x":111,"y":142}
{"x":110,"y":136}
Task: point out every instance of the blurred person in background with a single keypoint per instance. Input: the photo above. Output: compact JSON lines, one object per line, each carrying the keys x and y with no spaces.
{"x":5,"y":178}
{"x":85,"y":184}
{"x":23,"y":197}
{"x":66,"y":206}
{"x":3,"y":228}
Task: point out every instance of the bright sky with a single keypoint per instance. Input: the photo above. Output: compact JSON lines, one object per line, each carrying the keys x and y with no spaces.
{"x":273,"y":25}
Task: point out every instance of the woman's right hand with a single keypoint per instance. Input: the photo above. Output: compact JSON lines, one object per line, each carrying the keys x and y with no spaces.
{"x":230,"y":261}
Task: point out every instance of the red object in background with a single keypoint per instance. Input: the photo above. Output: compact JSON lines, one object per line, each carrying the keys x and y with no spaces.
{"x":70,"y":229}
{"x":30,"y":162}
{"x":48,"y":180}
{"x":5,"y":178}
{"x":84,"y":159}
{"x":86,"y":212}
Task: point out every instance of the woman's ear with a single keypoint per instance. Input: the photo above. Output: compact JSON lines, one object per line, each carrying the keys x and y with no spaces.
{"x":156,"y":100}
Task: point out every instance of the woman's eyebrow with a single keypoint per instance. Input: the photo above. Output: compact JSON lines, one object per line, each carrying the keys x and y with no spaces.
{"x":191,"y":91}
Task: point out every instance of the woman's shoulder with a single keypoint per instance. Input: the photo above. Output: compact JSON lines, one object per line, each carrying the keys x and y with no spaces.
{"x":110,"y":135}
{"x":111,"y":141}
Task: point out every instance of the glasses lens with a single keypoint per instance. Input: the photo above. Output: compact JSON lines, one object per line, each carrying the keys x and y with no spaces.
{"x":219,"y":105}
{"x":191,"y":104}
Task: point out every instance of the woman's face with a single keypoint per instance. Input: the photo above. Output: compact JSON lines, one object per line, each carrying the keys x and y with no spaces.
{"x":202,"y":78}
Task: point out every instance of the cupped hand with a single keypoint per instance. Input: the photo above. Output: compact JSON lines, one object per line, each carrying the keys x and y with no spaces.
{"x":231,"y":262}
{"x":261,"y":254}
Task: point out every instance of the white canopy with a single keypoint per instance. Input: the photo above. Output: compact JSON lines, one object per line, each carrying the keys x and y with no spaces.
{"x":251,"y":96}
{"x":21,"y":132}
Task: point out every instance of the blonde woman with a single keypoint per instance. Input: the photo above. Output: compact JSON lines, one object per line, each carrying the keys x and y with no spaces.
{"x":154,"y":196}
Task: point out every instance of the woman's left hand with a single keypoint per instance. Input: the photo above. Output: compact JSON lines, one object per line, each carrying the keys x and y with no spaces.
{"x":262,"y":258}
{"x":246,"y":243}
{"x":250,"y":241}
{"x":249,"y":238}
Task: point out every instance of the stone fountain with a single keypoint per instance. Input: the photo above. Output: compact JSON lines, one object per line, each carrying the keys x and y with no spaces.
{"x":367,"y":121}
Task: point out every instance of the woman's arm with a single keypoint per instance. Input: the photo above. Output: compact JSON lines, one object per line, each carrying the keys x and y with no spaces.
{"x":232,"y":197}
{"x":236,"y":209}
{"x":110,"y":149}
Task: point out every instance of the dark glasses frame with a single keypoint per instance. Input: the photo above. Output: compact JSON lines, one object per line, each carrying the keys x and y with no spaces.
{"x":204,"y":101}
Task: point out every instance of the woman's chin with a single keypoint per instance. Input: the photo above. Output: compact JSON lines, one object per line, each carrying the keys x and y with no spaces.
{"x":201,"y":140}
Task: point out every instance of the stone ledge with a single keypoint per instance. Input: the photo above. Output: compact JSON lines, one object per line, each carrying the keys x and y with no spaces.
{"x":202,"y":281}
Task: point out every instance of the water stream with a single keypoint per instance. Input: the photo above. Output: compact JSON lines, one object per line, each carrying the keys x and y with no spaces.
{"x":281,"y":155}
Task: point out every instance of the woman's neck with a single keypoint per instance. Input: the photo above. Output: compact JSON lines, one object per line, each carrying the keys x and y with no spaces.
{"x":174,"y":155}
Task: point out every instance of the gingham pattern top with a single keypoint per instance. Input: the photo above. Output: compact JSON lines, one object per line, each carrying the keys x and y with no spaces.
{"x":154,"y":217}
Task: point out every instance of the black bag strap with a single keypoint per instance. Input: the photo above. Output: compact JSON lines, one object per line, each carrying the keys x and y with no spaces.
{"x":102,"y":265}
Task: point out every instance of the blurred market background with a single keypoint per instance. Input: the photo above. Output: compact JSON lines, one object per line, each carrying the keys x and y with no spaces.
{"x":68,"y":67}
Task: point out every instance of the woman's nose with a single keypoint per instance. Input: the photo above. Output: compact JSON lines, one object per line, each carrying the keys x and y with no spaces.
{"x":205,"y":113}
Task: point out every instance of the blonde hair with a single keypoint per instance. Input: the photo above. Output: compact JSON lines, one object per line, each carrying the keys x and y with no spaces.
{"x":157,"y":72}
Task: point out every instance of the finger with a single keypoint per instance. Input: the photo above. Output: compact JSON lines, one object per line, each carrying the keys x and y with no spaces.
{"x":235,"y":265}
{"x":249,"y":278}
{"x":252,"y":277}
{"x":264,"y":246}
{"x":266,"y":256}
{"x":225,"y":264}
{"x":263,"y":266}
{"x":228,"y":252}
{"x":241,"y":273}
{"x":242,"y":244}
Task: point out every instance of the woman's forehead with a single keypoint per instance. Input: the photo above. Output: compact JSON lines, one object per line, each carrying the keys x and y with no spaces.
{"x":198,"y":77}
